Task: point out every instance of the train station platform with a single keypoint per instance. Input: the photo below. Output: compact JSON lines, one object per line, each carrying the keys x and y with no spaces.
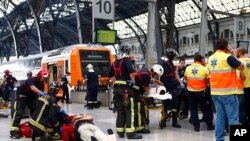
{"x":105,"y":118}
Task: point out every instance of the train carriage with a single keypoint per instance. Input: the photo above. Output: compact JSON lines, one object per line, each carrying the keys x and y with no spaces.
{"x":73,"y":59}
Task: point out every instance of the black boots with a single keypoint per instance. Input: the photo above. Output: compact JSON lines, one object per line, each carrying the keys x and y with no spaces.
{"x":143,"y":131}
{"x":130,"y":135}
{"x":174,"y":118}
{"x":134,"y":136}
{"x":14,"y":135}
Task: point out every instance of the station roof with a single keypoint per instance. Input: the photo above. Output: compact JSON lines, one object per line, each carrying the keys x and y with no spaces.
{"x":186,"y":13}
{"x":128,"y":13}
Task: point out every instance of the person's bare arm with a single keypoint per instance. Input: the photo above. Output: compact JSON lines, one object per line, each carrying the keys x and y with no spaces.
{"x":240,"y":67}
{"x":242,"y":76}
{"x":155,"y":81}
{"x":132,"y":76}
{"x":35,"y":89}
{"x":177,"y":77}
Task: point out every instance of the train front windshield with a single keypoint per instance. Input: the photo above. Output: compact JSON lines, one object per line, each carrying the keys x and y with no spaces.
{"x":99,"y":59}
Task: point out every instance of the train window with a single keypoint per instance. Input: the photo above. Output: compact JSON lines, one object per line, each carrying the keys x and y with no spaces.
{"x":66,"y":66}
{"x":92,"y":54}
{"x":248,"y":31}
{"x":99,"y":59}
{"x":34,"y":63}
{"x":59,"y":71}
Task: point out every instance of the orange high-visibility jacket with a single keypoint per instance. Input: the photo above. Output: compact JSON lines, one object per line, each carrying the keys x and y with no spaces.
{"x":222,"y":75}
{"x":196,"y":77}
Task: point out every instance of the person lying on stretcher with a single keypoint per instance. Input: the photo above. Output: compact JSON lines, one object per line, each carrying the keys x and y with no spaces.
{"x":157,"y":90}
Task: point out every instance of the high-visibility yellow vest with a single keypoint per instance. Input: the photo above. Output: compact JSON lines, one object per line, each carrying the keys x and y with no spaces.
{"x":196,"y":77}
{"x":222,"y":75}
{"x":246,"y":62}
{"x":239,"y":83}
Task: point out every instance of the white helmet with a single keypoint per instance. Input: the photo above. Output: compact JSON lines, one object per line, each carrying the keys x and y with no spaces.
{"x":158,"y":69}
{"x":164,"y":58}
{"x":90,"y":68}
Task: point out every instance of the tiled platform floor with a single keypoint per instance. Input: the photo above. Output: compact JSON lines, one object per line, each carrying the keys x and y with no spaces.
{"x":104,"y":118}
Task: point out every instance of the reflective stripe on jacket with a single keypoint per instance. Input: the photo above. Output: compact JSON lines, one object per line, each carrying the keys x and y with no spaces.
{"x":196,"y":77}
{"x":239,"y":83}
{"x":222,"y":75}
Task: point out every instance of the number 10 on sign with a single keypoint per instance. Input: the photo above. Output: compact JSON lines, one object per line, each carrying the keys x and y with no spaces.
{"x":103,"y":9}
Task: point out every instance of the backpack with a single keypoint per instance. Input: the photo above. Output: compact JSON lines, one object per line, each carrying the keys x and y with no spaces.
{"x":25,"y":130}
{"x":68,"y":132}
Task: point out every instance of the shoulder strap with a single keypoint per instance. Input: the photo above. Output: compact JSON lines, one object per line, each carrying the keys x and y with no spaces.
{"x":118,"y":69}
{"x":139,"y":75}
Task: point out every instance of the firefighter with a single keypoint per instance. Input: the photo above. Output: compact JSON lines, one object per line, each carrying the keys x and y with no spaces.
{"x":142,"y":80}
{"x":92,"y":80}
{"x":122,"y":72}
{"x":64,"y":86}
{"x":27,"y":95}
{"x":172,"y":82}
{"x":8,"y":85}
{"x":197,"y":77}
{"x":45,"y":115}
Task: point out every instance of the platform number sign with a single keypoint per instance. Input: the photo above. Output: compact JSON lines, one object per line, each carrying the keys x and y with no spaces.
{"x":103,"y":9}
{"x":239,"y":25}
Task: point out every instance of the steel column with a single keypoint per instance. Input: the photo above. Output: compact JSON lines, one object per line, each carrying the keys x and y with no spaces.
{"x":203,"y":28}
{"x":170,"y":23}
{"x":159,"y":44}
{"x":151,"y":38}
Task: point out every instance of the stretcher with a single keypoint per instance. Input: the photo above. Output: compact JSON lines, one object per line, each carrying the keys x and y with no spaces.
{"x":158,"y":93}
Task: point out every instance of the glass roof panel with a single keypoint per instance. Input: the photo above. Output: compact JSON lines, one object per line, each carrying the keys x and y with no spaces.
{"x":187,"y":13}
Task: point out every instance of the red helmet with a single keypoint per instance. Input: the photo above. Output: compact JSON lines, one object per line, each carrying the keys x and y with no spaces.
{"x":43,"y":73}
{"x":6,"y":72}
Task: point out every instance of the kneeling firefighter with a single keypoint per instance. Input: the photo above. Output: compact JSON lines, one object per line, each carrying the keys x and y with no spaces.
{"x":45,"y":118}
{"x":27,"y":95}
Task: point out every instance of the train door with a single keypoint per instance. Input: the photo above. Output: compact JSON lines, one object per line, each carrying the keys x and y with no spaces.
{"x":46,"y":86}
{"x":53,"y":72}
{"x":60,"y":73}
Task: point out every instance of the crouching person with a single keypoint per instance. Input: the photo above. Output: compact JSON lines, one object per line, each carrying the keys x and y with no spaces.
{"x":45,"y":119}
{"x":88,"y":131}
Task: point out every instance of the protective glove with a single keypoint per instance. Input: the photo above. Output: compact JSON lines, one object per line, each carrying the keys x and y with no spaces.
{"x":182,"y":85}
{"x":131,"y":82}
{"x":62,"y":112}
{"x":43,"y":93}
{"x":60,"y":130}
